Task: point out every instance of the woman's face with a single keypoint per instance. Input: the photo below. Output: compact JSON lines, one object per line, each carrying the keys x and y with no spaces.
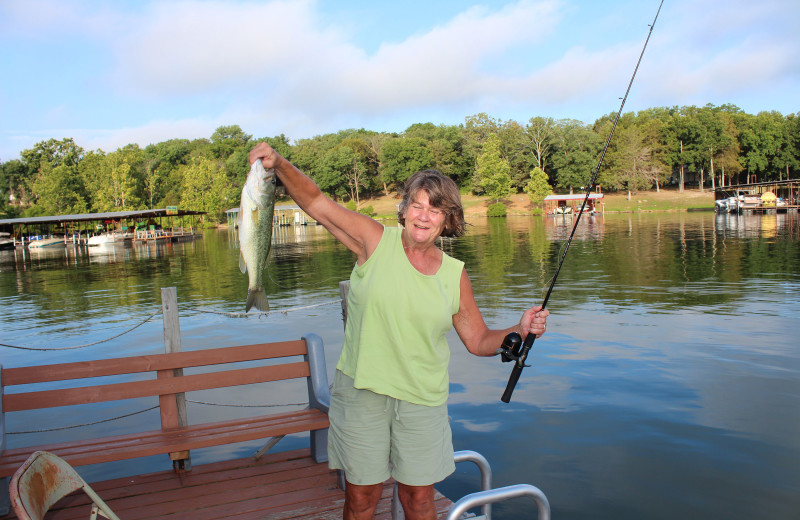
{"x":424,"y":222}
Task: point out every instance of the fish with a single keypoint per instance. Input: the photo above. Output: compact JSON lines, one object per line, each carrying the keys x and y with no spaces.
{"x":255,"y":231}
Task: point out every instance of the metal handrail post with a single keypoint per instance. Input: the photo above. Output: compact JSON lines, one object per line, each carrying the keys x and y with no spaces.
{"x":486,"y":473}
{"x":496,"y":495}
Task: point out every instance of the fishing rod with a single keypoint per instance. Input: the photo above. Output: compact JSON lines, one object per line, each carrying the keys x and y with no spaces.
{"x":513,"y":348}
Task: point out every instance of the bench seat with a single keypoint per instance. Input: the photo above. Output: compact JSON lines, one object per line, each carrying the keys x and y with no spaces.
{"x":164,"y":379}
{"x":159,"y":442}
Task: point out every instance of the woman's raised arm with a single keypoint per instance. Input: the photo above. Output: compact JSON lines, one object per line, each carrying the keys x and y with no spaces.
{"x":358,"y":232}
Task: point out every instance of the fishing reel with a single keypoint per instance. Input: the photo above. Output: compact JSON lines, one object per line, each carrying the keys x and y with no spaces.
{"x":511,"y":349}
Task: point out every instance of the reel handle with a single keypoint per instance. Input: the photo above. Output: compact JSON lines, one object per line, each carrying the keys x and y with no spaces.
{"x":518,"y":366}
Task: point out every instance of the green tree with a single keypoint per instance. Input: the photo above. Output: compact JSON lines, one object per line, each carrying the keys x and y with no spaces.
{"x":56,"y":153}
{"x":538,"y":188}
{"x":342,"y":172}
{"x":227,"y":139}
{"x":492,"y":173}
{"x":761,"y":137}
{"x":447,"y":144}
{"x":205,"y":187}
{"x":58,"y":190}
{"x":115,"y":178}
{"x":477,"y":130}
{"x":789,"y":155}
{"x":514,"y":149}
{"x":401,"y":157}
{"x":540,"y":134}
{"x":13,"y":177}
{"x":574,"y":154}
{"x":162,"y":178}
{"x":49,"y":164}
{"x":684,"y":149}
{"x":634,"y":162}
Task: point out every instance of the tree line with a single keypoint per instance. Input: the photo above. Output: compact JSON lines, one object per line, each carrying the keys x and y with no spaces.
{"x":705,"y":146}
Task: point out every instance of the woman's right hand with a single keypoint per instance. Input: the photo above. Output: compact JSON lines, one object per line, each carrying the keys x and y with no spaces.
{"x":269,"y":157}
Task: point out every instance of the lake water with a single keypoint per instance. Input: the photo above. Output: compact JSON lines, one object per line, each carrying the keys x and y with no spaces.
{"x":667,"y":386}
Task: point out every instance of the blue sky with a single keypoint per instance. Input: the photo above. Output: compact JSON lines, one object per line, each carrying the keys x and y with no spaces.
{"x":112,"y":73}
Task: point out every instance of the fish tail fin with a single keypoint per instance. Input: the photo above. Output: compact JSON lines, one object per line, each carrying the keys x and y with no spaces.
{"x":257,"y":298}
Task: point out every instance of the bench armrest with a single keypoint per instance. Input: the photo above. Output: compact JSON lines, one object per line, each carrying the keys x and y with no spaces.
{"x":319,"y":392}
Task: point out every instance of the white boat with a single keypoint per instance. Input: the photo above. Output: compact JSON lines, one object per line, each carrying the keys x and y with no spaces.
{"x":6,"y":242}
{"x":46,"y":243}
{"x":109,"y":238}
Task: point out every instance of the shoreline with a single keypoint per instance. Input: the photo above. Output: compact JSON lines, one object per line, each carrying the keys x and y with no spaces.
{"x":668,"y":200}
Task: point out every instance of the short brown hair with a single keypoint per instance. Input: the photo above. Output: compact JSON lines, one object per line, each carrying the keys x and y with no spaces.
{"x":443,"y":194}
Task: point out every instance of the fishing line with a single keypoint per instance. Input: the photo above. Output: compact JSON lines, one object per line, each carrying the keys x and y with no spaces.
{"x":513,"y":348}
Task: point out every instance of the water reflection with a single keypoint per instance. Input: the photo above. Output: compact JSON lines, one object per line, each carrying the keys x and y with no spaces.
{"x":757,"y":226}
{"x":559,"y":227}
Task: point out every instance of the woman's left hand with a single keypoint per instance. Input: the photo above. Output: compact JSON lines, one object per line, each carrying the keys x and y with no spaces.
{"x":534,"y":320}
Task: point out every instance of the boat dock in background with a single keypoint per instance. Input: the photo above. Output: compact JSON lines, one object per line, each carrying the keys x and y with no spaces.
{"x":178,"y":234}
{"x":571,"y":204}
{"x":77,"y":229}
{"x":761,"y":197}
{"x":282,"y":216}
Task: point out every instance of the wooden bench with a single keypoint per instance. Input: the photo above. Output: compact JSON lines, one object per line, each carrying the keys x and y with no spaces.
{"x":259,"y":363}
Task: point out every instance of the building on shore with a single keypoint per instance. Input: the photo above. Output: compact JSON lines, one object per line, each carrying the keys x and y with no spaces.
{"x":758,"y":197}
{"x":79,"y":228}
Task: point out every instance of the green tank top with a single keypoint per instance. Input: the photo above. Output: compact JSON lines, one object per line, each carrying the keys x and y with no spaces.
{"x":397,"y":319}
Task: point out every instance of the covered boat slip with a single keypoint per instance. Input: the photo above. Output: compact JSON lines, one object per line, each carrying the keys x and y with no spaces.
{"x":79,"y":227}
{"x":761,"y":197}
{"x":571,"y":203}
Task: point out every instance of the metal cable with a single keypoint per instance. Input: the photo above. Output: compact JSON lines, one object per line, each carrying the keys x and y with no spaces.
{"x":87,"y":344}
{"x":84,"y":424}
{"x":264,"y":314}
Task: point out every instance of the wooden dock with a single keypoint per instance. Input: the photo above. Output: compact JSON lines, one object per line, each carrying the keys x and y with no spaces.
{"x":165,"y":235}
{"x":281,"y":486}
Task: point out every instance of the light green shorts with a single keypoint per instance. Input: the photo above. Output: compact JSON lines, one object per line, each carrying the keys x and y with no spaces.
{"x":373,"y":437}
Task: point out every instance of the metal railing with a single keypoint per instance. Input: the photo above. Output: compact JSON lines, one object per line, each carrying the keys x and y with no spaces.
{"x":499,"y":494}
{"x":486,"y":496}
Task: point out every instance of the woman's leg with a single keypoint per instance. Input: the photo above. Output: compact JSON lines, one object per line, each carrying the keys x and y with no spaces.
{"x":417,"y":502}
{"x":360,"y":501}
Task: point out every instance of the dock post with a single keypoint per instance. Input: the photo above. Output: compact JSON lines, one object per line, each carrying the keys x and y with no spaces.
{"x":5,"y":498}
{"x":172,"y":343}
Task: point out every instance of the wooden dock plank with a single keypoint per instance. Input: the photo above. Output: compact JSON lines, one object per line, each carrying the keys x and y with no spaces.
{"x":281,"y":486}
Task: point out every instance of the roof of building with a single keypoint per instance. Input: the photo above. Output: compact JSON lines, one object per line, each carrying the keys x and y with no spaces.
{"x":277,"y":208}
{"x":111,"y":215}
{"x":576,"y":196}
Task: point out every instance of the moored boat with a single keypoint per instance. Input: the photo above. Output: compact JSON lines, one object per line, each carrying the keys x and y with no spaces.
{"x":109,"y":238}
{"x":6,"y":242}
{"x":47,"y":243}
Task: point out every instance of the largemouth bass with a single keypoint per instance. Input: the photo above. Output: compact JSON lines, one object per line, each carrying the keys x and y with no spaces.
{"x":255,"y":231}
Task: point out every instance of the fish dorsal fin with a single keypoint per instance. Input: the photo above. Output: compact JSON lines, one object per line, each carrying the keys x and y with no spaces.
{"x":242,"y":263}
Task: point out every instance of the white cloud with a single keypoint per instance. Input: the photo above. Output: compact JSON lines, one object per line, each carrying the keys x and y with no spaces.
{"x":732,"y":51}
{"x":182,"y":68}
{"x":37,"y":20}
{"x":190,"y":47}
{"x":281,"y":51}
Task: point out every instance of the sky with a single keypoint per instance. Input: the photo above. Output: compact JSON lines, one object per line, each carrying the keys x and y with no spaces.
{"x":108,"y":74}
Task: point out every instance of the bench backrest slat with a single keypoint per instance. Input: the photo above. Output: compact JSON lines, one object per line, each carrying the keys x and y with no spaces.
{"x":150,"y":363}
{"x":129,"y":390}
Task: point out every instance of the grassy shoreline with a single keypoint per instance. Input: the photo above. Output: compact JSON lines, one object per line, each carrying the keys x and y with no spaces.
{"x":644,"y":201}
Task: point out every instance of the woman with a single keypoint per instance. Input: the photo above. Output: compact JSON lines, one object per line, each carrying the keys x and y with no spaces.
{"x":388,"y":405}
